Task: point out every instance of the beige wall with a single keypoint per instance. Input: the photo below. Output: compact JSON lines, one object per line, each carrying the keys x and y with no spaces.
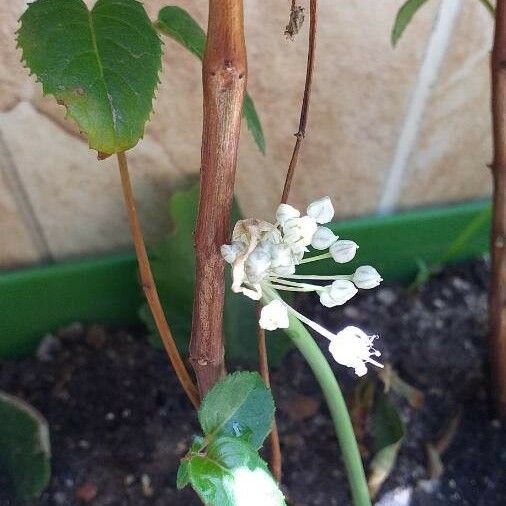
{"x":57,"y":201}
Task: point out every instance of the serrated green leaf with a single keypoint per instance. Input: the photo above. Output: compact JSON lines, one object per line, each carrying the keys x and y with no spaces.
{"x":24,"y":447}
{"x":180,"y":26}
{"x":404,"y":16}
{"x":183,"y":474}
{"x":388,"y":433}
{"x":173,"y":265}
{"x":101,"y":64}
{"x":239,"y":402}
{"x":231,"y":473}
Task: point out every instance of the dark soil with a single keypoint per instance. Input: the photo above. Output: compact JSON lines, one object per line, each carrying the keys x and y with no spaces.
{"x":120,"y":423}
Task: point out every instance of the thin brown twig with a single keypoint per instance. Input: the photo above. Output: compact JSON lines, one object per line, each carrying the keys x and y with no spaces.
{"x":149,"y":287}
{"x":313,"y":21}
{"x":276,"y":460}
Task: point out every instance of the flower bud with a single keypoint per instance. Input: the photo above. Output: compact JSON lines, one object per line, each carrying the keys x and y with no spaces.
{"x":274,"y":316}
{"x":366,"y":277}
{"x":257,"y":265}
{"x":336,"y":294}
{"x":286,"y":212}
{"x":323,"y":238}
{"x":343,"y":251}
{"x":321,"y":210}
{"x":230,"y":252}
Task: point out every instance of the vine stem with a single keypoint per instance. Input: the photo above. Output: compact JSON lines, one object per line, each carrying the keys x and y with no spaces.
{"x":224,"y":72}
{"x":301,"y":132}
{"x":305,"y":343}
{"x":497,"y":303}
{"x":149,"y":287}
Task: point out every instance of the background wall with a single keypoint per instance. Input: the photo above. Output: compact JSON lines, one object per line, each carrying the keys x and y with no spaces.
{"x":388,"y":129}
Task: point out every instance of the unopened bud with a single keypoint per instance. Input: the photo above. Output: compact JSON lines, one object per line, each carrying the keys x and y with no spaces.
{"x":336,"y":294}
{"x":323,"y":238}
{"x":343,"y":251}
{"x":321,"y":210}
{"x":366,"y":277}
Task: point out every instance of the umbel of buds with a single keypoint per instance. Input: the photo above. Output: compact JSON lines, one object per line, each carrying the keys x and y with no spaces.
{"x":264,"y":258}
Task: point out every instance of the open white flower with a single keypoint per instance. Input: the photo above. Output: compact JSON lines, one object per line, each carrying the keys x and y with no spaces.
{"x":274,"y":316}
{"x":352,"y":347}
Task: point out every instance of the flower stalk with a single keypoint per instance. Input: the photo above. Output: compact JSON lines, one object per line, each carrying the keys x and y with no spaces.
{"x":335,"y":402}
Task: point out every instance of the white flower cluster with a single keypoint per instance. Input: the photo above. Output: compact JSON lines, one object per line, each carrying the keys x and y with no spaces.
{"x":264,"y":257}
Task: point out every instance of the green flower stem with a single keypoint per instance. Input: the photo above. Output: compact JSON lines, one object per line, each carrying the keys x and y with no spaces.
{"x":335,"y":402}
{"x":323,"y":256}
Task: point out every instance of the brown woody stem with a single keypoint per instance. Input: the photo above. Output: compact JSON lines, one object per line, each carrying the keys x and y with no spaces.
{"x":148,"y":285}
{"x":497,"y":306}
{"x":313,"y":21}
{"x":224,"y":81}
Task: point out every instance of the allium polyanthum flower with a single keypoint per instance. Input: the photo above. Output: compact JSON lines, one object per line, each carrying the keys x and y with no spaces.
{"x":264,"y":257}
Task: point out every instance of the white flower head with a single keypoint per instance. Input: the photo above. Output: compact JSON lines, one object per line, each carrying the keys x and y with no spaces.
{"x":352,"y":347}
{"x":338,"y":293}
{"x":286,"y":212}
{"x":343,"y":251}
{"x":253,"y":487}
{"x":321,"y":210}
{"x":323,"y":238}
{"x":366,"y":277}
{"x":274,"y":316}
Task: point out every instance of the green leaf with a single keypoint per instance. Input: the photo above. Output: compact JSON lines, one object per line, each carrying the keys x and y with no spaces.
{"x":183,"y":474}
{"x":24,"y":447}
{"x":231,"y":473}
{"x":253,"y":122}
{"x":101,"y":64}
{"x":239,"y":402}
{"x":173,"y":265}
{"x":388,"y":433}
{"x":404,"y":16}
{"x":180,"y":26}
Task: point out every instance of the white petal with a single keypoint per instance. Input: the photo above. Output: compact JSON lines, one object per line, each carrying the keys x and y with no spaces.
{"x":257,"y":264}
{"x":323,"y":238}
{"x":274,"y":316}
{"x":285,"y":212}
{"x":230,"y":252}
{"x":343,"y":251}
{"x":321,"y":210}
{"x":366,"y":277}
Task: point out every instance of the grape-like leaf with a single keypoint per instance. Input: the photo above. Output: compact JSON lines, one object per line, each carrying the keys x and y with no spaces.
{"x":404,"y":16}
{"x":230,"y":473}
{"x":180,"y":26}
{"x":237,"y":405}
{"x":101,"y":64}
{"x":24,"y":447}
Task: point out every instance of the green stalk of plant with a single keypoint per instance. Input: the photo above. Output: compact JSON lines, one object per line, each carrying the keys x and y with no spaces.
{"x":316,"y":360}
